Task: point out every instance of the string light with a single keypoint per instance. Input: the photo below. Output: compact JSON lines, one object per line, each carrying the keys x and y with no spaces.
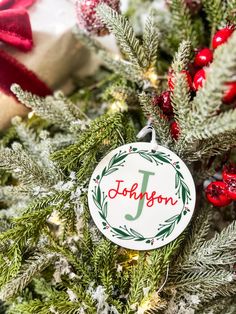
{"x":118,"y":106}
{"x":144,"y":307}
{"x":135,"y":257}
{"x":54,"y":219}
{"x":152,"y":77}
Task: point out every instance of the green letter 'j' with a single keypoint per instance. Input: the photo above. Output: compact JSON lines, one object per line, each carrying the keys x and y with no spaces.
{"x":146,"y":176}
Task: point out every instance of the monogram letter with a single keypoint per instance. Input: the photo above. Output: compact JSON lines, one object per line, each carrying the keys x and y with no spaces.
{"x":146,"y":176}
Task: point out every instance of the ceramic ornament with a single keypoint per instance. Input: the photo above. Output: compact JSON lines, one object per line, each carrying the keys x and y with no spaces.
{"x":141,"y":198}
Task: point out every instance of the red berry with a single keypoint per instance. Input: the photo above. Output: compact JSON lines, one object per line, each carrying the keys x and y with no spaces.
{"x":174,"y":129}
{"x":164,"y":102}
{"x":230,"y":93}
{"x":198,"y":80}
{"x":222,"y":36}
{"x":229,"y":172}
{"x":188,"y":78}
{"x":231,"y":188}
{"x":87,"y":17}
{"x":217,"y":194}
{"x":203,"y":57}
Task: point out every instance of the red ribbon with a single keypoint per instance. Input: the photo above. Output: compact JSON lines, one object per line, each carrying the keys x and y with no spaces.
{"x":15,"y":30}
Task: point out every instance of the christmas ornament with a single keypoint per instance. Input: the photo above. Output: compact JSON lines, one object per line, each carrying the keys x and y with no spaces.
{"x":203,"y":57}
{"x":217,"y":194}
{"x":230,"y":93}
{"x":88,"y":19}
{"x":188,"y":78}
{"x":164,"y":102}
{"x":222,"y":36}
{"x":174,"y":129}
{"x":198,"y":80}
{"x":141,"y":198}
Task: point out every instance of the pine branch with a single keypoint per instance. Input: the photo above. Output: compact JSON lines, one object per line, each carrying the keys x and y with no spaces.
{"x":219,"y":125}
{"x":34,"y":266}
{"x":208,"y":100}
{"x":215,"y":12}
{"x":40,"y":146}
{"x":153,"y":305}
{"x":26,"y":135}
{"x":215,"y":139}
{"x":180,"y":99}
{"x":23,"y":167}
{"x":26,"y":229}
{"x":207,"y":169}
{"x":8,"y":137}
{"x":52,"y":199}
{"x":182,"y":23}
{"x":210,"y":147}
{"x":9,"y":267}
{"x":106,"y":128}
{"x":218,"y":251}
{"x":182,"y":57}
{"x":169,"y":40}
{"x":136,"y":286}
{"x":151,"y":42}
{"x":40,"y":143}
{"x":122,"y":67}
{"x":107,"y":281}
{"x":218,"y":306}
{"x":12,"y":194}
{"x":230,"y":11}
{"x":48,"y":307}
{"x":30,"y":307}
{"x":158,"y":262}
{"x":130,"y":132}
{"x":158,"y":120}
{"x":81,"y":267}
{"x":56,"y":109}
{"x":124,"y":34}
{"x":103,"y":255}
{"x":45,"y":289}
{"x":197,"y":236}
{"x":201,"y":281}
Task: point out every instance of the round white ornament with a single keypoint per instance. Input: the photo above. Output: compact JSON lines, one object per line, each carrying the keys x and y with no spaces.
{"x":141,"y":198}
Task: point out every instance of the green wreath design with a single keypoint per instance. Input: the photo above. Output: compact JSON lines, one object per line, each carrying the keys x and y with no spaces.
{"x":100,"y":199}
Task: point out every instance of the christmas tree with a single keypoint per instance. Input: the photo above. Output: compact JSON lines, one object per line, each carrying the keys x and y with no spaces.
{"x":53,"y":257}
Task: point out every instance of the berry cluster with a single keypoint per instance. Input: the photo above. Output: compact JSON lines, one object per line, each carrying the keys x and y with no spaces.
{"x":205,"y":56}
{"x":195,"y":76}
{"x":222,"y":193}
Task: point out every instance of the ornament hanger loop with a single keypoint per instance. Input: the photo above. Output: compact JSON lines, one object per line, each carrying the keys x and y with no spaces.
{"x":146,"y":130}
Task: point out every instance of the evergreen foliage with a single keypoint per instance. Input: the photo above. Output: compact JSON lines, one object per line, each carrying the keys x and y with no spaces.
{"x":52,"y":257}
